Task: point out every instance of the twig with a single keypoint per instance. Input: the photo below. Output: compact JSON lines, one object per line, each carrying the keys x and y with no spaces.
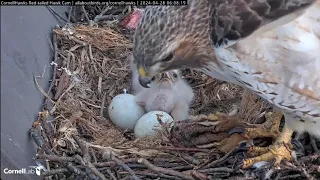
{"x":219,"y":169}
{"x":188,"y":158}
{"x":95,"y":171}
{"x":213,"y":163}
{"x":86,"y":157}
{"x":181,"y":149}
{"x":105,"y":17}
{"x":42,"y":91}
{"x":54,"y":171}
{"x":37,"y":138}
{"x":93,"y":155}
{"x":65,"y":161}
{"x":126,"y":167}
{"x":103,"y":103}
{"x":99,"y":17}
{"x":55,"y":58}
{"x":62,"y":170}
{"x":67,"y":165}
{"x":158,"y":175}
{"x":314,"y":144}
{"x":111,"y":174}
{"x":48,"y":168}
{"x":86,"y":15}
{"x":43,"y":148}
{"x":55,"y":13}
{"x":295,"y":176}
{"x":69,"y":14}
{"x":163,"y":170}
{"x":56,"y":158}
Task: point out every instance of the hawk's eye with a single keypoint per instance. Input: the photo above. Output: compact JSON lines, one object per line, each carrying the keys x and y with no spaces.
{"x":168,"y":58}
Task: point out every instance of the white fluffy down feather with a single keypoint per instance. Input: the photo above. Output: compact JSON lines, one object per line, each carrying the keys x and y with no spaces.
{"x":173,"y":98}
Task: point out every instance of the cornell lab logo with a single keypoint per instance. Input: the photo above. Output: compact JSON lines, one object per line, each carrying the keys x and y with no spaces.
{"x":35,"y":170}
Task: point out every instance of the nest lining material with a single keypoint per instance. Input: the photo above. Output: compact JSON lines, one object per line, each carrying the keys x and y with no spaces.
{"x":97,"y":70}
{"x":91,"y":68}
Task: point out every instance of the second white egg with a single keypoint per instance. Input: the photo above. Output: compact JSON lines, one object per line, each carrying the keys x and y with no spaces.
{"x":148,"y":123}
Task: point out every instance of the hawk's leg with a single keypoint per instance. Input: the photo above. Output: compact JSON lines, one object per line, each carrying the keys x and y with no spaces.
{"x":279,"y":150}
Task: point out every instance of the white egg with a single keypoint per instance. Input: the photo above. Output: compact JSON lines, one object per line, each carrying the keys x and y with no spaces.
{"x":147,"y":124}
{"x":124,"y":112}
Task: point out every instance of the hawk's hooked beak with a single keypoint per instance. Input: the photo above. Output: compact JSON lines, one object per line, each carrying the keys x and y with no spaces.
{"x":144,"y":80}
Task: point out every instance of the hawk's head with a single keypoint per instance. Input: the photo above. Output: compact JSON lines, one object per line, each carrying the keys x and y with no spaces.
{"x":171,"y":37}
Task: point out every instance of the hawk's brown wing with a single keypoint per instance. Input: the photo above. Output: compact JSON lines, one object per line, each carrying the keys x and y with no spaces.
{"x":236,"y":19}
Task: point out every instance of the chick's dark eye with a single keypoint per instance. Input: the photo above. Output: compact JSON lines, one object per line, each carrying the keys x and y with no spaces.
{"x":174,"y":75}
{"x":168,"y":58}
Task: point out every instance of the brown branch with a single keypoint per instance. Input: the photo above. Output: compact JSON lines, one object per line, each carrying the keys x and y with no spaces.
{"x":93,"y":155}
{"x":86,"y":158}
{"x":314,"y":144}
{"x":55,"y":58}
{"x":219,"y":169}
{"x":101,"y":15}
{"x":163,"y":170}
{"x":54,"y":171}
{"x":126,"y":167}
{"x":155,"y":176}
{"x":113,"y":177}
{"x":213,"y":163}
{"x":56,"y":158}
{"x":103,"y":104}
{"x":62,"y":170}
{"x":181,"y":149}
{"x":86,"y":15}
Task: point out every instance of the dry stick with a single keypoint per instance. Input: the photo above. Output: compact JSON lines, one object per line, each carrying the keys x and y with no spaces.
{"x":37,"y":138}
{"x":69,"y":14}
{"x":219,"y":169}
{"x":55,"y":57}
{"x":126,"y":167}
{"x":86,"y":157}
{"x":300,"y":169}
{"x":158,"y":175}
{"x":217,"y":161}
{"x":181,"y":149}
{"x":41,"y":90}
{"x":99,"y":17}
{"x":54,"y":171}
{"x":93,"y":155}
{"x":111,"y":174}
{"x":86,"y":15}
{"x":163,"y":170}
{"x":62,"y":170}
{"x":56,"y":158}
{"x":188,"y":158}
{"x":102,"y":104}
{"x":314,"y":144}
{"x":55,"y":13}
{"x":105,"y":17}
{"x":39,"y":143}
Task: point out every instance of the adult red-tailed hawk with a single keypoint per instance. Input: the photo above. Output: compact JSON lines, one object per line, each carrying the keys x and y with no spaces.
{"x":168,"y":92}
{"x":271,"y":47}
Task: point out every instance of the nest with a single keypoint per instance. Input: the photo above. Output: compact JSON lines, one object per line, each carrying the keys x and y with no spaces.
{"x":90,"y":68}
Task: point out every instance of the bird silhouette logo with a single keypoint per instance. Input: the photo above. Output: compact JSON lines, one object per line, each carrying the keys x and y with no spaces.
{"x":38,"y":168}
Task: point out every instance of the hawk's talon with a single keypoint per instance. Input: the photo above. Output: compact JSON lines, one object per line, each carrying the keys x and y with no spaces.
{"x":276,"y":152}
{"x":280,"y":150}
{"x":270,"y":128}
{"x":238,"y":130}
